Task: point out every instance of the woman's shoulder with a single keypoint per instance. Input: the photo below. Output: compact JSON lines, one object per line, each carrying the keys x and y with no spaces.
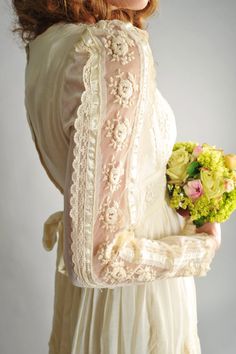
{"x":115,"y":32}
{"x":116,"y":27}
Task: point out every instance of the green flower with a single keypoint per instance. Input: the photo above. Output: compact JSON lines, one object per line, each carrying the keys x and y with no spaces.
{"x":188,"y":145}
{"x":177,"y":164}
{"x":213,"y":183}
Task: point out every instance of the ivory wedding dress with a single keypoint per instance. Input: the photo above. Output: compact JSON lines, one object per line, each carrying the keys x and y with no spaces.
{"x":126,"y":261}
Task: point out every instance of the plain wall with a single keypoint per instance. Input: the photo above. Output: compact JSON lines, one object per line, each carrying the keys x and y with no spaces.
{"x":193,"y":45}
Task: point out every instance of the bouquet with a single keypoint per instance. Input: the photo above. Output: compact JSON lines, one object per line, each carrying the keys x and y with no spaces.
{"x":201,"y":182}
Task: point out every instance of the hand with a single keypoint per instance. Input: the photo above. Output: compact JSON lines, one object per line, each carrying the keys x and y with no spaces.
{"x":213,"y":229}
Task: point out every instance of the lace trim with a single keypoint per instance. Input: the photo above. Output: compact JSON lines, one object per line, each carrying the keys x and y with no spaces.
{"x":81,"y":240}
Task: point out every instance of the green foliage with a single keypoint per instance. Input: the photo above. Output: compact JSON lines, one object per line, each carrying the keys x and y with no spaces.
{"x":193,"y":169}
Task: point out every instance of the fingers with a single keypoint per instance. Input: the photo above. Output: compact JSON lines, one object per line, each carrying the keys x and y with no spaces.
{"x":213,"y":230}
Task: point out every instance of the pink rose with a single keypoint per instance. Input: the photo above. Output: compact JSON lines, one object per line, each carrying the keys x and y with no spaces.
{"x":228,"y":184}
{"x":194,"y":189}
{"x":197,"y":150}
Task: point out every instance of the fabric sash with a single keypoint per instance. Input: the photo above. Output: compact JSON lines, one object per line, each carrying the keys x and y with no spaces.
{"x":53,"y":231}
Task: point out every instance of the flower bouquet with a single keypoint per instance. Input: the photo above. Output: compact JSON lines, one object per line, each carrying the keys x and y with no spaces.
{"x":201,"y":182}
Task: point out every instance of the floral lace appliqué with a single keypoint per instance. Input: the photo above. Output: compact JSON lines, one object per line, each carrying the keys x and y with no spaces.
{"x":117,"y":45}
{"x":118,"y":130}
{"x":116,"y":270}
{"x":112,"y":174}
{"x":110,"y":215}
{"x":123,"y":88}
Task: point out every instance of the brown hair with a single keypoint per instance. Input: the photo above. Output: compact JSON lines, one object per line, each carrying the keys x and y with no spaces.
{"x":33,"y":17}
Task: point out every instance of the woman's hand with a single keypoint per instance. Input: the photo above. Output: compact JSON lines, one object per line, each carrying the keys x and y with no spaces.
{"x":213,"y":229}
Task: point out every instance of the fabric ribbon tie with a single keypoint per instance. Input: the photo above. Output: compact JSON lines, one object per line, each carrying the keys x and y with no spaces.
{"x":52,"y":232}
{"x":52,"y":227}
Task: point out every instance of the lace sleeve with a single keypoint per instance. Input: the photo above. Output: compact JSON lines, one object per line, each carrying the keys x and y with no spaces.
{"x":101,"y":249}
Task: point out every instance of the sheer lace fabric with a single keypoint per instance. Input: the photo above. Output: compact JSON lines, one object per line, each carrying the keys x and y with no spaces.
{"x":101,"y":212}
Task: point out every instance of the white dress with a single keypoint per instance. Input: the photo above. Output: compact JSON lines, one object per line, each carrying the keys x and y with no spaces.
{"x":126,"y":261}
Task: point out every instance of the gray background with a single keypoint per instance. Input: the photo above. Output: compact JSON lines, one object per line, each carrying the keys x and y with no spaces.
{"x":193,"y":45}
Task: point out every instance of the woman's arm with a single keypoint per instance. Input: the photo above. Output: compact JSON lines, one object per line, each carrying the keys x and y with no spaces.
{"x":101,"y":248}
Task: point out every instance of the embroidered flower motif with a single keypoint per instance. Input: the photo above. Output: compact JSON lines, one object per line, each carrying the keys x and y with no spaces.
{"x":154,"y":190}
{"x":146,"y":273}
{"x":123,"y":88}
{"x":112,"y":174}
{"x":118,"y":132}
{"x":117,"y":44}
{"x":110,"y":215}
{"x":106,"y":253}
{"x":149,"y":195}
{"x":117,"y":270}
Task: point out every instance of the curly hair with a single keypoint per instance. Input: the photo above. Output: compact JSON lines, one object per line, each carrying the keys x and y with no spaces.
{"x":33,"y":17}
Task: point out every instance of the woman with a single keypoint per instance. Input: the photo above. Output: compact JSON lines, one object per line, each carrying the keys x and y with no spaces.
{"x":126,"y":261}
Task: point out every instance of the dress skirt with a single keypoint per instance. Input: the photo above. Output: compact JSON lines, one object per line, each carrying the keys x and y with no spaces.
{"x":158,"y":317}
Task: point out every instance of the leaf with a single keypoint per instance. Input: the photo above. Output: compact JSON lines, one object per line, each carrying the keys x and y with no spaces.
{"x":193,"y":168}
{"x":200,"y":221}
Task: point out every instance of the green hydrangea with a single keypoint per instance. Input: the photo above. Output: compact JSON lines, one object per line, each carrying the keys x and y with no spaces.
{"x":204,"y":207}
{"x":212,"y":159}
{"x":228,"y":205}
{"x":178,"y":198}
